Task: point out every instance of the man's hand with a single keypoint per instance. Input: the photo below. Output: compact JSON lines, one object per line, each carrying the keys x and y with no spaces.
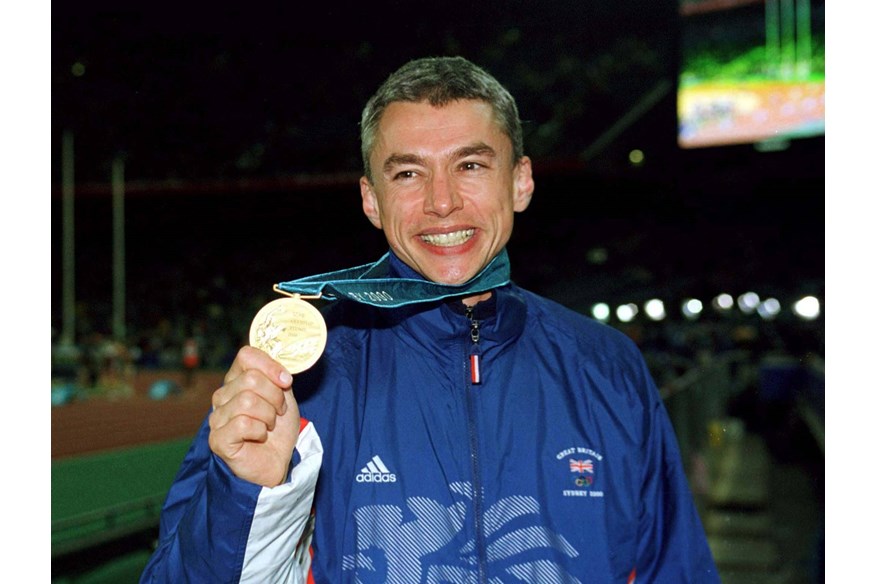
{"x":255,"y":422}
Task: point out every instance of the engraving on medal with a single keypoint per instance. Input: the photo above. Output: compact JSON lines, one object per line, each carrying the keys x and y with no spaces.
{"x":291,"y":331}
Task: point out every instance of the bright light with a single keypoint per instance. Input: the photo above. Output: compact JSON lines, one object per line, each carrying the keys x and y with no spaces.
{"x":600,"y":311}
{"x":691,"y":308}
{"x":769,"y":308}
{"x":655,"y":310}
{"x":748,"y":302}
{"x":723,"y":301}
{"x":808,"y":308}
{"x":627,"y":312}
{"x":637,"y":156}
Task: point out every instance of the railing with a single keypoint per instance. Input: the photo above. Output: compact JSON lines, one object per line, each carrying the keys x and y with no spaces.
{"x":79,"y":532}
{"x":701,"y":395}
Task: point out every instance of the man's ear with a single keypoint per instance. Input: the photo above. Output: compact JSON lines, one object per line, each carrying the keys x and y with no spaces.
{"x":524,"y":185}
{"x":369,"y":202}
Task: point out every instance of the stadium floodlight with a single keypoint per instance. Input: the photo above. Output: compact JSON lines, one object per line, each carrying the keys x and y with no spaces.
{"x":627,"y":312}
{"x":748,"y":302}
{"x":691,"y":308}
{"x":723,"y":302}
{"x":808,"y":308}
{"x":769,"y":308}
{"x":655,"y":310}
{"x":600,"y":311}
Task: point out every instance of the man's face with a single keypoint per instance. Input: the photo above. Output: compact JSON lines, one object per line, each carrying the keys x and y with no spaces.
{"x":445,"y":187}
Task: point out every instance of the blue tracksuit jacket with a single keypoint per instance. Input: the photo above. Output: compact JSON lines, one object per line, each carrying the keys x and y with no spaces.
{"x":552,"y":462}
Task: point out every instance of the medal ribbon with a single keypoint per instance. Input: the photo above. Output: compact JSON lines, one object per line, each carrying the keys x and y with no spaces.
{"x":361,"y":284}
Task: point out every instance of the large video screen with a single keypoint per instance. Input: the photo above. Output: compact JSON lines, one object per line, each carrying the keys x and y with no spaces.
{"x":751,"y":71}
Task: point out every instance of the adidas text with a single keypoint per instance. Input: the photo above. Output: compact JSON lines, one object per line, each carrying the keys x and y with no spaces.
{"x":375,"y":477}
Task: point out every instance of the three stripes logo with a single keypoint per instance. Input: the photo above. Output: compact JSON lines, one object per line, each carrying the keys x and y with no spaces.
{"x":375,"y":472}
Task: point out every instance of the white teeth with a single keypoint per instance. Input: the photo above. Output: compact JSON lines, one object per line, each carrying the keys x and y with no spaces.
{"x":449,"y":239}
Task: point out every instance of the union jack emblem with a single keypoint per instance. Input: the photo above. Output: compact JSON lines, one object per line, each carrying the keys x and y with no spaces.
{"x":581,"y":465}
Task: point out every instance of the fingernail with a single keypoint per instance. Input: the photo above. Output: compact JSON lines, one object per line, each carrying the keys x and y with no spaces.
{"x":285,"y":378}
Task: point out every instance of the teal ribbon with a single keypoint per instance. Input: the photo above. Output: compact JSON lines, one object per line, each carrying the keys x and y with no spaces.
{"x":367,"y":284}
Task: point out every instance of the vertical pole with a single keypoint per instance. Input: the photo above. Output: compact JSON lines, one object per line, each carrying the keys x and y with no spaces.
{"x":804,"y":39}
{"x":68,"y":294}
{"x":118,"y":185}
{"x":771,"y":26}
{"x":788,"y":42}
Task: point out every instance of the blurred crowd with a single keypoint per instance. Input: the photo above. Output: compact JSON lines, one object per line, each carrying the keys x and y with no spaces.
{"x":100,"y":365}
{"x":208,"y":335}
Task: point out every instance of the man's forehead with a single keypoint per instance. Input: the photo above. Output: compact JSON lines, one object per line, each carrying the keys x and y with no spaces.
{"x":465,"y":121}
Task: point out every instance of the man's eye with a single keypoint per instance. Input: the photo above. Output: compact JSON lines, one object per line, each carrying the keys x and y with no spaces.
{"x":471,"y":166}
{"x":405,"y":174}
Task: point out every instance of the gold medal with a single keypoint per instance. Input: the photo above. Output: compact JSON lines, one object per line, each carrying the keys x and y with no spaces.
{"x":291,"y":331}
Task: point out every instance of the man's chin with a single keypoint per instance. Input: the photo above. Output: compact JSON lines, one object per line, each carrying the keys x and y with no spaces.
{"x":444,"y":267}
{"x":451,"y":277}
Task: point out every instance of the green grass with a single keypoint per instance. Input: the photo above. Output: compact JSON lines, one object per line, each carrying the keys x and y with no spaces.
{"x":101,"y":496}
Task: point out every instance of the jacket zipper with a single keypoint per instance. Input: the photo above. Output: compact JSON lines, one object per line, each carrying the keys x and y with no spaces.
{"x":474,"y":356}
{"x":477,"y":503}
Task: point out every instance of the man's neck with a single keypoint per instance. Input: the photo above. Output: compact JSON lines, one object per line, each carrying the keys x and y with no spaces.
{"x":472,"y":300}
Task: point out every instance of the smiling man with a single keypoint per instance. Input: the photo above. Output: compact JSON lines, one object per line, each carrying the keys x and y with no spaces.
{"x":446,"y":186}
{"x":458,"y":428}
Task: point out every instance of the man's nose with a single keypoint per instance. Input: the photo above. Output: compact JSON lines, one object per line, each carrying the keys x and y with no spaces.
{"x":442,"y":197}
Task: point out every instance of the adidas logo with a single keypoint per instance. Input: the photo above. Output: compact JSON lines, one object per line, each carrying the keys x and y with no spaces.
{"x":375,"y":472}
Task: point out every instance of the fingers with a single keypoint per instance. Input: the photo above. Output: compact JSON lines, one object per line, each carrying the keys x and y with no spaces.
{"x":250,"y":358}
{"x":252,"y":382}
{"x":254,"y":423}
{"x":261,"y":405}
{"x":254,"y":394}
{"x":226,"y":439}
{"x":244,"y":410}
{"x":254,"y":370}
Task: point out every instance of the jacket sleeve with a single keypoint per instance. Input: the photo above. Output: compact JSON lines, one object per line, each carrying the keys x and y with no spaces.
{"x":672,"y":544}
{"x":216,"y":527}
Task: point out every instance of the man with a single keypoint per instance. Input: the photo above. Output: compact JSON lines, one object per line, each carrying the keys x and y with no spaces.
{"x":472,"y":432}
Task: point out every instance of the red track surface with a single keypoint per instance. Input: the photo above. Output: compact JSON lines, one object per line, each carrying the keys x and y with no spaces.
{"x":97,"y":425}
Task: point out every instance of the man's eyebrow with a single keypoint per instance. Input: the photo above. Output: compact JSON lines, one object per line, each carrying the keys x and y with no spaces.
{"x":399,"y":159}
{"x":479,"y":149}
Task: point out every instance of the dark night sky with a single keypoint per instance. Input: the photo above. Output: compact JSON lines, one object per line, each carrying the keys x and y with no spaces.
{"x":223,"y":93}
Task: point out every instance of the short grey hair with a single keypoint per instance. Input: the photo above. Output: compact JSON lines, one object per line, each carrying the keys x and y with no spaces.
{"x":440,"y":81}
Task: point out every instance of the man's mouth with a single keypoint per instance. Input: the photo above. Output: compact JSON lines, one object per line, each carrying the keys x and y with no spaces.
{"x":448,"y":239}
